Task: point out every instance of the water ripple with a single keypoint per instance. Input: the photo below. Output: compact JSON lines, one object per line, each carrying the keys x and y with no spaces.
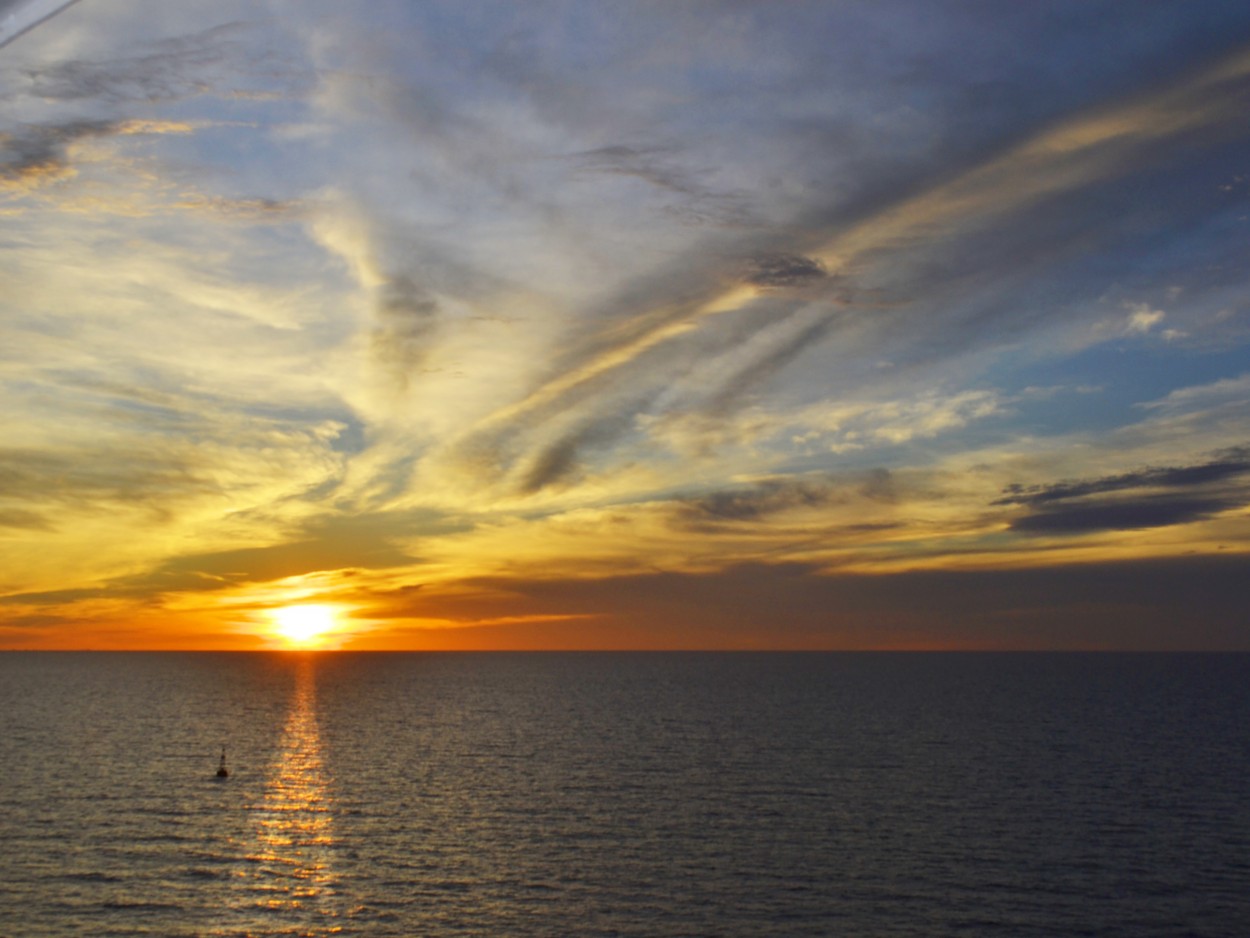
{"x":644,"y":795}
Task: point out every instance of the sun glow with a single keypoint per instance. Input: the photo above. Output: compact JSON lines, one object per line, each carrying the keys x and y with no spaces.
{"x":306,"y":626}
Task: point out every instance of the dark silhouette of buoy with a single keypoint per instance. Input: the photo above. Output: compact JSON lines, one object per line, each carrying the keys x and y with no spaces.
{"x":222,"y":771}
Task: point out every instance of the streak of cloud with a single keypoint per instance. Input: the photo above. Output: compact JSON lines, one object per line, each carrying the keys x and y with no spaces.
{"x":1066,"y":158}
{"x":173,"y":68}
{"x":39,"y":156}
{"x":1147,"y":498}
{"x":1226,"y":465}
{"x":20,"y":16}
{"x":785,"y":270}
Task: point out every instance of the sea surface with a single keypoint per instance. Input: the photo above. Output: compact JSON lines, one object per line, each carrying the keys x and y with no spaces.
{"x":661,"y":794}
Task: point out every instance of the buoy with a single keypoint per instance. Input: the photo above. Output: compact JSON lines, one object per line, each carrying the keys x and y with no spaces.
{"x":222,"y":771}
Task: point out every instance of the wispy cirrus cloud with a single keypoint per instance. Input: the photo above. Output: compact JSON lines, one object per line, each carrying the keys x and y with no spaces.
{"x":160,"y":71}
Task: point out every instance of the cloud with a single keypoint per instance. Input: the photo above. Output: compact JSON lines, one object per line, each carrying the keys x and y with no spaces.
{"x":555,"y":436}
{"x":1157,"y":497}
{"x":880,"y":485}
{"x":105,"y":478}
{"x":1142,"y":319}
{"x":785,"y":270}
{"x":220,"y":459}
{"x":39,"y":155}
{"x":696,"y":202}
{"x":21,"y":518}
{"x":1055,"y":163}
{"x":558,"y":461}
{"x":1224,"y":392}
{"x":231,"y":568}
{"x":766,"y":497}
{"x":120,"y":498}
{"x":167,"y":70}
{"x":1228,"y":464}
{"x":400,"y":288}
{"x":643,"y":325}
{"x":648,"y":164}
{"x":406,"y":318}
{"x":1105,"y":142}
{"x":249,"y":211}
{"x":1125,"y":514}
{"x":929,"y":416}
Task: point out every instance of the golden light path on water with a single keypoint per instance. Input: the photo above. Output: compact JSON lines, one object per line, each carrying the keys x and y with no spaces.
{"x":289,"y":873}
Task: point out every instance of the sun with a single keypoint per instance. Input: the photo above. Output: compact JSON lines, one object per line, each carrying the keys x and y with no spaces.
{"x":305,"y":626}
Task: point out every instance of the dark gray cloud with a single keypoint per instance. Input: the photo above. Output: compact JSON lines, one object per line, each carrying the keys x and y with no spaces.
{"x":1147,"y":498}
{"x":34,"y":154}
{"x":167,"y":70}
{"x":406,"y":318}
{"x":880,"y":486}
{"x":744,"y":504}
{"x":1227,"y":464}
{"x":785,"y":270}
{"x":764,"y":498}
{"x":696,"y":202}
{"x":557,"y":461}
{"x":651,"y":164}
{"x":561,"y":461}
{"x":1123,"y":514}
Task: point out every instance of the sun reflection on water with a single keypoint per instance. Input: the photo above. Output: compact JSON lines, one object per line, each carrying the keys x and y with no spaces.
{"x":290,"y":866}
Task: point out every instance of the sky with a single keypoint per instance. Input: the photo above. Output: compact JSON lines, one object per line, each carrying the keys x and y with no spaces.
{"x":734,"y":325}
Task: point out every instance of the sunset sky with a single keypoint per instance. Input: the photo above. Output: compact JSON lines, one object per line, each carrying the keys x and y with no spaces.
{"x":637,"y":324}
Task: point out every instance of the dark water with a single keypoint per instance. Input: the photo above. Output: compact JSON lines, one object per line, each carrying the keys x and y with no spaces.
{"x":619,"y":794}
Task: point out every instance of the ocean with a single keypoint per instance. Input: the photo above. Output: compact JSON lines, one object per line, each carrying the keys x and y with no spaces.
{"x":652,"y":794}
